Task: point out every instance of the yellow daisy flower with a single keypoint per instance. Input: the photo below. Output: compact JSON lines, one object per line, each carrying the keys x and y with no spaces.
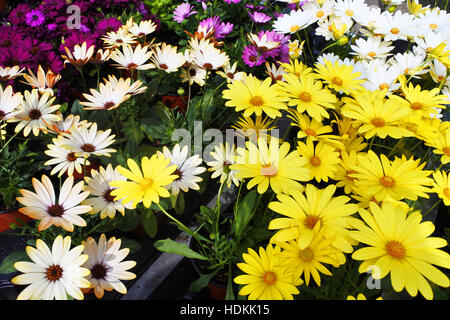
{"x":255,"y":96}
{"x":253,"y":129}
{"x":296,"y":67}
{"x":308,"y":213}
{"x":146,"y":185}
{"x":309,"y":261}
{"x":343,"y":174}
{"x":400,"y":245}
{"x":441,"y":145}
{"x":441,"y":186}
{"x":360,"y":296}
{"x":265,"y":278}
{"x":348,"y":133}
{"x":272,"y":165}
{"x":322,"y":159}
{"x":341,"y":78}
{"x":399,"y":179}
{"x":376,"y":116}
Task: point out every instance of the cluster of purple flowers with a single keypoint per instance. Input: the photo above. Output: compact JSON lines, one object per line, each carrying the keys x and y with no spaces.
{"x":254,"y":56}
{"x":37,"y":35}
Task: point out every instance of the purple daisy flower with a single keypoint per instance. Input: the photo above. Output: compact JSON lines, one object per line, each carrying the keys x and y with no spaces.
{"x":108,"y":25}
{"x":35,"y":47}
{"x":77,"y":37}
{"x":256,"y":8}
{"x":13,"y":56}
{"x":259,"y":17}
{"x":221,"y":29}
{"x":10,"y":36}
{"x":182,"y":12}
{"x":35,"y":18}
{"x":17,"y":15}
{"x":252,"y":57}
{"x":52,"y":26}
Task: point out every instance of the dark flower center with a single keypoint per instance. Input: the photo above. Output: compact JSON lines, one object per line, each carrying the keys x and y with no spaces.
{"x":6,"y":43}
{"x":54,"y":273}
{"x":71,"y":157}
{"x":109,"y":105}
{"x":109,"y":29}
{"x":99,"y":271}
{"x":34,"y":50}
{"x":132,"y":65}
{"x":192,"y":72}
{"x":2,"y":114}
{"x":163,"y":66}
{"x":252,"y":58}
{"x":35,"y":114}
{"x":35,"y":17}
{"x":55,"y":210}
{"x":87,"y":147}
{"x":207,"y":66}
{"x":108,"y":197}
{"x":179,"y":174}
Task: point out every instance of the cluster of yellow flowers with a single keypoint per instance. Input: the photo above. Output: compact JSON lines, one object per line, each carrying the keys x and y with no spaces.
{"x":365,"y":209}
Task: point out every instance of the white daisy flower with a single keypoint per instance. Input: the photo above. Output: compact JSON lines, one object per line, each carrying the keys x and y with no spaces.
{"x":381,"y":76}
{"x":143,"y":28}
{"x":397,"y":26}
{"x":132,"y":59}
{"x":230,"y":74}
{"x":9,"y":73}
{"x":86,"y":141}
{"x":102,"y":200}
{"x":101,"y":56}
{"x":430,"y":41}
{"x":63,"y":212}
{"x":434,"y":21}
{"x":368,"y":17}
{"x":108,"y":97}
{"x":327,"y":56}
{"x":35,"y":113}
{"x":65,"y":124}
{"x":9,"y":103}
{"x":224,"y":156}
{"x":320,"y":11}
{"x":66,"y":160}
{"x":80,"y":56}
{"x":106,"y":266}
{"x":119,"y":38}
{"x":409,"y":64}
{"x":192,"y":73}
{"x":167,"y":58}
{"x":210,"y":58}
{"x":42,"y":81}
{"x":294,"y":21}
{"x":133,"y":88}
{"x":348,"y":9}
{"x":274,"y":71}
{"x":438,"y":71}
{"x":333,"y":28}
{"x":371,"y":48}
{"x":187,"y":169}
{"x":53,"y":274}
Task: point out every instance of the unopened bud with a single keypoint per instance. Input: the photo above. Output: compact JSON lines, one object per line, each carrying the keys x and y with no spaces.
{"x":180,"y":91}
{"x":392,"y":8}
{"x":13,"y":226}
{"x":342,"y":41}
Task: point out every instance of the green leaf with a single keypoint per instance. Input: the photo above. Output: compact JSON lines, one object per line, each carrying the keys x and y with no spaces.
{"x":178,"y":202}
{"x":230,"y":294}
{"x":128,"y":222}
{"x":170,"y":246}
{"x":202,"y":282}
{"x":130,"y":244}
{"x":7,"y":265}
{"x":244,"y":213}
{"x":149,"y":223}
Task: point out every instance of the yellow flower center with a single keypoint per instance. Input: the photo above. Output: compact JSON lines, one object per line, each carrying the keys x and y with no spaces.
{"x":256,"y":101}
{"x":446,"y":150}
{"x":378,"y":122}
{"x":395,"y":30}
{"x":295,"y":27}
{"x":387,"y":181}
{"x":440,"y":78}
{"x":433,"y":26}
{"x":337,"y":81}
{"x":311,"y":221}
{"x":395,"y":249}
{"x":429,"y":49}
{"x":306,"y":255}
{"x":349,"y":173}
{"x":305,"y":97}
{"x":315,"y":161}
{"x":269,"y":170}
{"x":269,"y":278}
{"x":371,"y":54}
{"x":146,"y":183}
{"x":416,"y":106}
{"x":311,"y":132}
{"x":446,"y":192}
{"x":320,"y":14}
{"x":383,"y":86}
{"x":349,"y":12}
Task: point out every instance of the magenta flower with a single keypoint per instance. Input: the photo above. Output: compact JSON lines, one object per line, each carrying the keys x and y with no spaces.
{"x":252,"y":57}
{"x":256,"y":8}
{"x":35,"y":18}
{"x":182,"y":12}
{"x":259,"y":17}
{"x":221,"y":29}
{"x":230,"y":1}
{"x":107,"y":25}
{"x":17,"y":15}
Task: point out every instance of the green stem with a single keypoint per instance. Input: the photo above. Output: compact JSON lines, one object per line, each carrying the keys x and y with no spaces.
{"x":309,"y":47}
{"x":431,"y":209}
{"x":371,"y":143}
{"x":218,"y":205}
{"x":395,"y":147}
{"x":180,"y":224}
{"x":6,"y":144}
